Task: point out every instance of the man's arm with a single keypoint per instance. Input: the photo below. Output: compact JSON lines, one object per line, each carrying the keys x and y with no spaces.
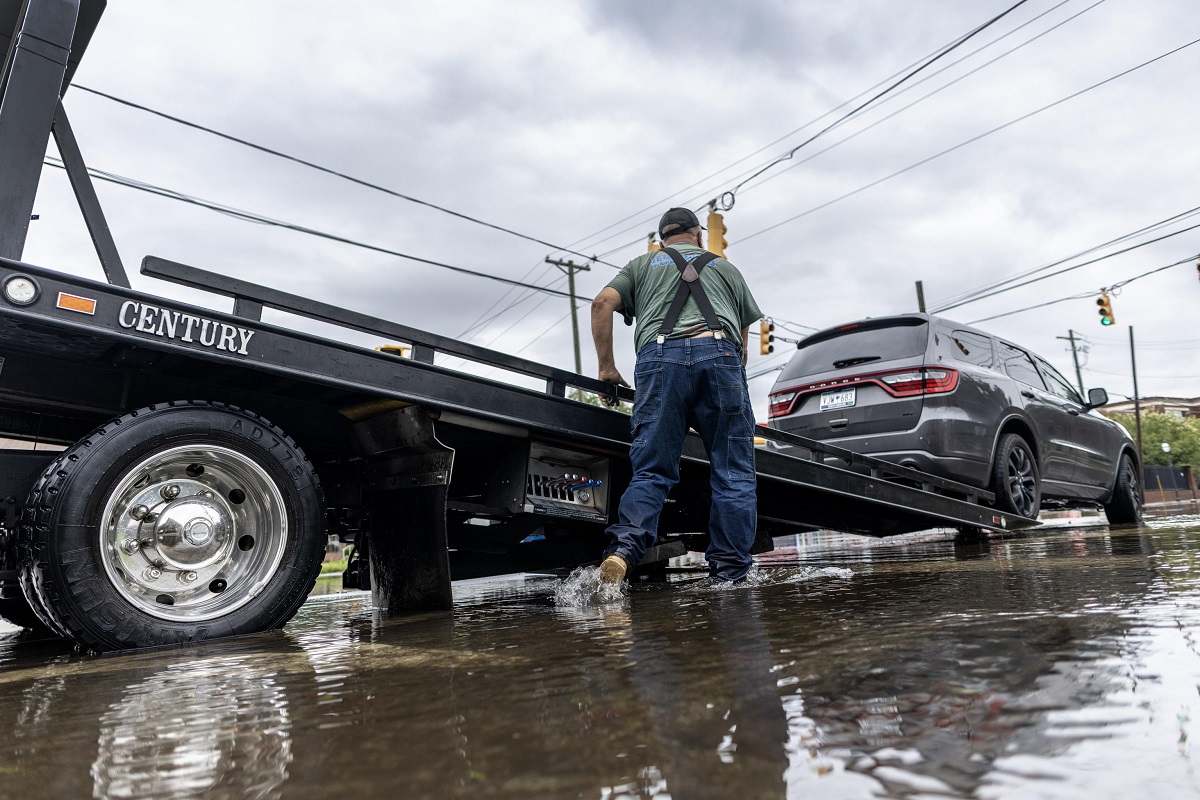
{"x":607,"y":303}
{"x":745,"y":345}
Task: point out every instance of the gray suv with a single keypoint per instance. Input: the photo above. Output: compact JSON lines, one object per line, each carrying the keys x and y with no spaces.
{"x":954,"y":401}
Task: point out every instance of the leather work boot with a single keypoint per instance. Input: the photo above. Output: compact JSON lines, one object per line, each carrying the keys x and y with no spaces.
{"x":613,"y":569}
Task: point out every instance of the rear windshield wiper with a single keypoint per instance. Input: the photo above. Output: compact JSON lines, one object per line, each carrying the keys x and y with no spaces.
{"x":850,"y":362}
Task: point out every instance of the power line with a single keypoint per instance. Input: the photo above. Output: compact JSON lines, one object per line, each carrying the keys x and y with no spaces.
{"x":984,"y":296}
{"x":793,"y":326}
{"x":732,"y":193}
{"x":1031,"y":308}
{"x":248,"y":216}
{"x":1166,"y":344}
{"x":482,"y":325}
{"x":1092,"y":293}
{"x":765,"y":371}
{"x":963,"y":144}
{"x":517,"y":322}
{"x":963,"y":297}
{"x":329,"y":171}
{"x":532,"y":341}
{"x":1116,"y":287}
{"x":831,"y":111}
{"x":1140,"y":375}
{"x":901,"y":110}
{"x":936,"y":91}
{"x":480,"y":322}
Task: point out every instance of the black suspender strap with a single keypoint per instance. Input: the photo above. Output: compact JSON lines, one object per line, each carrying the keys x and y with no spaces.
{"x":689,"y":284}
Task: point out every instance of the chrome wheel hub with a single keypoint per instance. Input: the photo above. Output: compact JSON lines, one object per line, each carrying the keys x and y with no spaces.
{"x":193,"y":532}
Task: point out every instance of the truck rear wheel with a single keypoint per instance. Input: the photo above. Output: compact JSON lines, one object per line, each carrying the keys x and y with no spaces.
{"x":173,"y":523}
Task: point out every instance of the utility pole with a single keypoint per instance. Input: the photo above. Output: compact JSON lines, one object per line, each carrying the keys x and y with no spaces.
{"x":1137,"y":410}
{"x":1070,"y":337}
{"x":570,"y":267}
{"x":920,"y":297}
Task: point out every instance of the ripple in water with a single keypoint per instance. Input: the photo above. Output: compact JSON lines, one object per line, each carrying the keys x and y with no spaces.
{"x":771,"y":577}
{"x":583,"y":587}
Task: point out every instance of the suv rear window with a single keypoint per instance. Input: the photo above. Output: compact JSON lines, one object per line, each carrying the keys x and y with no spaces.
{"x":871,"y":341}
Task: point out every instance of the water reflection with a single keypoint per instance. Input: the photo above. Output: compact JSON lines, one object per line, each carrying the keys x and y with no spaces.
{"x":702,"y":724}
{"x":215,"y":728}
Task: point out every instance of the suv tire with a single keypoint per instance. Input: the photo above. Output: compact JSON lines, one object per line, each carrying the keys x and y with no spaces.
{"x":1125,"y":508}
{"x":1015,"y":478}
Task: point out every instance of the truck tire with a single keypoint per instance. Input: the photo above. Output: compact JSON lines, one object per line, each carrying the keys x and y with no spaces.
{"x":1125,"y":508}
{"x":1015,"y":478}
{"x":174,"y":523}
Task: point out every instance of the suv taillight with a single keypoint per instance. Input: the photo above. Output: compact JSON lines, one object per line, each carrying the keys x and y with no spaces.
{"x":908,"y":383}
{"x":898,"y":383}
{"x":781,"y":404}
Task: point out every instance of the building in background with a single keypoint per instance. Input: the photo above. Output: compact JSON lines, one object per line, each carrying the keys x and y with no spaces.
{"x":1172,"y":406}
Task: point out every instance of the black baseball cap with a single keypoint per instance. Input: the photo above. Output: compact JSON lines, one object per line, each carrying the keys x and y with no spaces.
{"x":677,"y":220}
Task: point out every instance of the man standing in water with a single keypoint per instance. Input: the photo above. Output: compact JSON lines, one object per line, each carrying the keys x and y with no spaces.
{"x":693,"y":312}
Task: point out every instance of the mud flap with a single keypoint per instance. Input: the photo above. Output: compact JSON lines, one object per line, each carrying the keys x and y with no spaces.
{"x":408,"y":478}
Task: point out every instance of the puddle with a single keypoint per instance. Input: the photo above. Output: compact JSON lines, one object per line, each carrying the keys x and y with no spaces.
{"x":1059,"y":664}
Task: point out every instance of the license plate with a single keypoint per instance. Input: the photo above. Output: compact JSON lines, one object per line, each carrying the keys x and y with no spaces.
{"x":840,"y":399}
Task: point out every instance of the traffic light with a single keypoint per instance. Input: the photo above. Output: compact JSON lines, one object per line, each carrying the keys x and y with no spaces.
{"x":652,"y":245}
{"x":716,"y":233}
{"x":765,"y":336}
{"x":1106,"y":312}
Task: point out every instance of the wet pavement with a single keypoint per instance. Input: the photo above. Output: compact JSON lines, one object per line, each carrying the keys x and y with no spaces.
{"x":1058,"y":664}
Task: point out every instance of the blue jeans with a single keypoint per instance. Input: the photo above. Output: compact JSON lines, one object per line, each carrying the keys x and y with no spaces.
{"x":697,"y":383}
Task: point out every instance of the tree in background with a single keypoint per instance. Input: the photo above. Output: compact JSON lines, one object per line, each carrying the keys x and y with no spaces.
{"x":1182,"y":433}
{"x":593,"y":399}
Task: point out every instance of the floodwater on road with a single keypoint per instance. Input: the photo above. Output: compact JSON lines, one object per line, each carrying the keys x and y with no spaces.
{"x":1055,"y":664}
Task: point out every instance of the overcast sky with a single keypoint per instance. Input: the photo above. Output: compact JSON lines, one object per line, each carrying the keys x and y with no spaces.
{"x":579,"y":123}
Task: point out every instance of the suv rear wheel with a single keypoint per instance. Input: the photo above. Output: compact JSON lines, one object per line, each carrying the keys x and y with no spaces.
{"x":1015,"y":478}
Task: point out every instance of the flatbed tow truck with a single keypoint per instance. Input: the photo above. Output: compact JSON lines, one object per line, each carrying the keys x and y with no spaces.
{"x":208,"y":456}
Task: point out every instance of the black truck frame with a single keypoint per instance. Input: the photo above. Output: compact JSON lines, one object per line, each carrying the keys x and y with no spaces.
{"x":205,"y":457}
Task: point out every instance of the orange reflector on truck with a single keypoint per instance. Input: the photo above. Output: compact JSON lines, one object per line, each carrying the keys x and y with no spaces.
{"x":73,"y":302}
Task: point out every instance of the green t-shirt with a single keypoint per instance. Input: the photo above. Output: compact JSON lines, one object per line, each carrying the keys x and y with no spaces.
{"x":649,"y":282}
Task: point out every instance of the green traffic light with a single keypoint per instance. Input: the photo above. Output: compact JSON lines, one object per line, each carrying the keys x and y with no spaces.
{"x":1106,"y":321}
